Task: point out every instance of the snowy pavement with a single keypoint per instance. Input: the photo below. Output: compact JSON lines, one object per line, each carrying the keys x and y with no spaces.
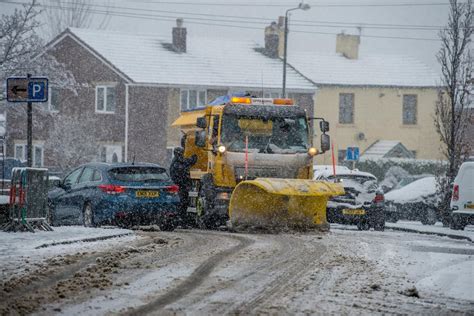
{"x":20,"y":251}
{"x":435,"y":229}
{"x":345,"y":271}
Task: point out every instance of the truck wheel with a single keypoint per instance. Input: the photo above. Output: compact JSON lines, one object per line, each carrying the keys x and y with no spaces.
{"x":205,"y":204}
{"x":363,"y":225}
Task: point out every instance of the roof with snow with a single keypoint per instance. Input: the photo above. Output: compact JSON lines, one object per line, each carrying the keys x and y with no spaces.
{"x":207,"y":62}
{"x":370,"y":70}
{"x":386,"y":149}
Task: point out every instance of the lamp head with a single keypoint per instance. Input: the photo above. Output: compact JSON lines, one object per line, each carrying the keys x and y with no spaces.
{"x":304,"y":6}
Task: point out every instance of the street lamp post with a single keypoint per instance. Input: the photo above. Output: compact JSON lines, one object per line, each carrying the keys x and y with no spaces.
{"x":301,"y":6}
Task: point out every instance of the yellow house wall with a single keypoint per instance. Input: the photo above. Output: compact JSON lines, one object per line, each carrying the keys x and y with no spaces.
{"x":378,"y":114}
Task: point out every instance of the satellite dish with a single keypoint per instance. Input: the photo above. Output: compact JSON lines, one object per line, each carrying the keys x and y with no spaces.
{"x":360,"y":136}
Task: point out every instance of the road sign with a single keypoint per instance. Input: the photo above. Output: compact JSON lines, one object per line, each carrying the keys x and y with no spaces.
{"x":23,"y":89}
{"x":352,"y":153}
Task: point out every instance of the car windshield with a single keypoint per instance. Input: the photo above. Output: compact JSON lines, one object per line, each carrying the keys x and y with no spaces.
{"x":274,"y":135}
{"x":139,"y":174}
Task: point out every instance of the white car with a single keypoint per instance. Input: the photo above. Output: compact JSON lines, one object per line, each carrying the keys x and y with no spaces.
{"x":462,"y":200}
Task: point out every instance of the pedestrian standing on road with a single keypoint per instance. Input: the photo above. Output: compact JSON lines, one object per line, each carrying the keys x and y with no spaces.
{"x":180,"y":174}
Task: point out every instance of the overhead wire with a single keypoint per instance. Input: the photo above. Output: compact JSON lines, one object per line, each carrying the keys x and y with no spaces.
{"x":228,"y":22}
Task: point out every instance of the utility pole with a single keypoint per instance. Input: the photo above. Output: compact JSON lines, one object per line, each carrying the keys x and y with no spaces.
{"x":29,"y":132}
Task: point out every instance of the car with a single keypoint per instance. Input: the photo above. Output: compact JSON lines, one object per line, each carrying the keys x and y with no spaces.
{"x":462,"y":198}
{"x":123,"y":194}
{"x":363,"y":201}
{"x":416,"y":201}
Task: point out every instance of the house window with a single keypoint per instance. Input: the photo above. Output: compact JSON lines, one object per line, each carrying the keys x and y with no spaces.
{"x":346,"y":108}
{"x":409,"y":109}
{"x":53,"y":100}
{"x":38,"y":154}
{"x":192,"y":99}
{"x":20,"y":152}
{"x":105,"y":99}
{"x":341,"y":155}
{"x":273,"y":95}
{"x":111,"y":153}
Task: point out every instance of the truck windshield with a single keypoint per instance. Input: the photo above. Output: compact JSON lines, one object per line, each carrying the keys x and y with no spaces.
{"x":274,"y":135}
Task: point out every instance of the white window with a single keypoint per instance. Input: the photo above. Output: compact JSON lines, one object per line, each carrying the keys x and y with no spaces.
{"x":53,"y":99}
{"x":105,"y":99}
{"x":20,"y":152}
{"x":38,"y":154}
{"x":111,"y":153}
{"x":273,"y":95}
{"x":192,"y":99}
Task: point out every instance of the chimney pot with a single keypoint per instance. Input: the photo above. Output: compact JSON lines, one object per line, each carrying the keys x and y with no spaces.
{"x":179,"y":36}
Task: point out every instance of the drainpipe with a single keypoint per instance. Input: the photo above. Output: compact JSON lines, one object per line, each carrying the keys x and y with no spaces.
{"x":126,"y":124}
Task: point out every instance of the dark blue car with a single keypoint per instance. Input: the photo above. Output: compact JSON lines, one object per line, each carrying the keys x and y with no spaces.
{"x":120,"y":193}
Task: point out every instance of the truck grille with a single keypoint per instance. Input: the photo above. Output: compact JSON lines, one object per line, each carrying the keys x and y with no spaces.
{"x":267,"y":172}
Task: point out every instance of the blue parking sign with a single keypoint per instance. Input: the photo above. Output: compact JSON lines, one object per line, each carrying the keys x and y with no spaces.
{"x":37,"y":90}
{"x":352,"y":153}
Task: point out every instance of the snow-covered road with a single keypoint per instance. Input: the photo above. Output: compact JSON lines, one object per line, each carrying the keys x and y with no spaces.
{"x":202,"y":272}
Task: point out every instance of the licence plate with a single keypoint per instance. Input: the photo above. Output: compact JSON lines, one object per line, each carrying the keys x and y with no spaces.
{"x":147,"y":194}
{"x":470,"y":205}
{"x":353,"y":212}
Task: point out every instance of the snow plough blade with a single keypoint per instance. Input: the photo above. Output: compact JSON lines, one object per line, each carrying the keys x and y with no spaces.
{"x":280,"y":204}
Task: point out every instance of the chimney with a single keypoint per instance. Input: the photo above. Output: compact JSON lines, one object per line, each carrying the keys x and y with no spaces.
{"x":274,"y":38}
{"x":179,"y":36}
{"x":348,"y":45}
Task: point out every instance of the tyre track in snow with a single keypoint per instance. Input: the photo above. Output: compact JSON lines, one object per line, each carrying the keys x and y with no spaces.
{"x":196,"y":278}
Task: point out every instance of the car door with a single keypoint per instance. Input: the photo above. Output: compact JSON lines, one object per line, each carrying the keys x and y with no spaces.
{"x":64,"y":211}
{"x":82,"y":192}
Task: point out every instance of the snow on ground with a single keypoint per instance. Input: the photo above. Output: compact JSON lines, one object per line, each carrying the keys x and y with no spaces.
{"x":437,"y":228}
{"x":19,"y":250}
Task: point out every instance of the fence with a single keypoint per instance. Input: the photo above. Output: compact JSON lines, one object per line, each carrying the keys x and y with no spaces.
{"x":28,"y":200}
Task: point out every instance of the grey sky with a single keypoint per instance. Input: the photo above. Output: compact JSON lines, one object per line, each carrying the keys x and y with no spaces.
{"x":255,"y":14}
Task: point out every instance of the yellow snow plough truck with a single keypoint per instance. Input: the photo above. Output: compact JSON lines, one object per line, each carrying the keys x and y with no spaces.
{"x":255,"y":165}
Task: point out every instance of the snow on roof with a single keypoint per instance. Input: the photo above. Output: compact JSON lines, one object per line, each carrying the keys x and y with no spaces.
{"x":207,"y":61}
{"x":418,"y":190}
{"x":380,"y":149}
{"x":376,"y":70}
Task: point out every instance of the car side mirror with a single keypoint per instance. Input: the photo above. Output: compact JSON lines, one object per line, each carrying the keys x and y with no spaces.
{"x":200,"y":138}
{"x":201,"y":122}
{"x":325,"y":142}
{"x":324,"y":126}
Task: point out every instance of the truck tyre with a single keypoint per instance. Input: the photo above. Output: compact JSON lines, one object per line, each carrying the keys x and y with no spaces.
{"x":205,"y":204}
{"x":363,"y":224}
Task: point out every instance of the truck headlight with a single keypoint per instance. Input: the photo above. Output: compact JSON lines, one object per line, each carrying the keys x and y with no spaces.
{"x":221,"y":149}
{"x":312,"y":151}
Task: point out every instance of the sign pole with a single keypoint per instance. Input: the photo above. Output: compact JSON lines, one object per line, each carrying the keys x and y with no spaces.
{"x":29,"y":132}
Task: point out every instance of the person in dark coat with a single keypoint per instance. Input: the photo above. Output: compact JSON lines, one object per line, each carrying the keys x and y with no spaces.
{"x":180,"y":174}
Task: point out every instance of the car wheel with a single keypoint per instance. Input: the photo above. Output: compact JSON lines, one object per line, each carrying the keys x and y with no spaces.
{"x":457,"y":222}
{"x":429,"y":217}
{"x":363,"y":225}
{"x":50,"y":214}
{"x":88,"y":215}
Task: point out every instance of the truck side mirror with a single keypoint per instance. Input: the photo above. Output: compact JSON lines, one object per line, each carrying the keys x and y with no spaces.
{"x":200,"y":138}
{"x":201,"y":122}
{"x":324,"y":126}
{"x":325,"y":142}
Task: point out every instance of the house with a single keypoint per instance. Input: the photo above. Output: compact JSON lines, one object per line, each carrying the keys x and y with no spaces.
{"x":386,"y":149}
{"x":367,"y":98}
{"x":131,"y":87}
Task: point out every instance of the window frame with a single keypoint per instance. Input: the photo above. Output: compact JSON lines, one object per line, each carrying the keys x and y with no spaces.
{"x":50,"y":98}
{"x":25,"y":154}
{"x":105,"y":87}
{"x":405,"y":106}
{"x":340,"y":118}
{"x":198,"y":92}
